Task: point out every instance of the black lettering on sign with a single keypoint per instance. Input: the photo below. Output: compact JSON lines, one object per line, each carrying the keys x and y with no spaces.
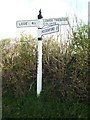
{"x":33,"y":23}
{"x":56,"y":27}
{"x":48,"y":20}
{"x":52,"y":28}
{"x":47,"y":30}
{"x":23,"y":23}
{"x":19,"y":24}
{"x":60,"y":19}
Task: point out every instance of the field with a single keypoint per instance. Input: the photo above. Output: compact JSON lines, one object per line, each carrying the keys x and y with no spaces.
{"x":43,"y":107}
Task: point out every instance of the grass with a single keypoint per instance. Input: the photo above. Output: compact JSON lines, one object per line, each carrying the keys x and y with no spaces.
{"x":42,"y":107}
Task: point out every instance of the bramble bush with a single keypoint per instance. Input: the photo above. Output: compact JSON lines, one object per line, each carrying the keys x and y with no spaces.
{"x":64,"y":65}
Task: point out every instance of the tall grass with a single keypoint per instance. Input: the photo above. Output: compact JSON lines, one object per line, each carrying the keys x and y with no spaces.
{"x":64,"y":66}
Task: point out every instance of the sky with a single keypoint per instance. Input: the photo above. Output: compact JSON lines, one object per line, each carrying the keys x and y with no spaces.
{"x":13,"y":10}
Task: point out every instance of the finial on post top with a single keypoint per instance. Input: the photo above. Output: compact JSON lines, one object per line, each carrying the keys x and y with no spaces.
{"x":40,"y":16}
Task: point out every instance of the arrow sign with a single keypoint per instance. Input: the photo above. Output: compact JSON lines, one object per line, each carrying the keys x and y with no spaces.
{"x":26,"y":23}
{"x":50,"y":29}
{"x":53,"y":21}
{"x":45,"y":22}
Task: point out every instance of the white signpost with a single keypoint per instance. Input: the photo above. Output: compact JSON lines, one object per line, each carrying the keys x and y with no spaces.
{"x":53,"y":26}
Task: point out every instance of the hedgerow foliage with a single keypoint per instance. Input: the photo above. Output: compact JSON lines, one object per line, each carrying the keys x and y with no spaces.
{"x":64,"y":65}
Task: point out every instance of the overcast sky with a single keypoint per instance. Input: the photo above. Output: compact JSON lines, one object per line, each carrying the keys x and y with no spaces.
{"x":13,"y":10}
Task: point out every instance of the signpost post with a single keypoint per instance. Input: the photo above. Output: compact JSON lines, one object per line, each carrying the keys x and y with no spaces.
{"x":39,"y":64}
{"x":53,"y":26}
